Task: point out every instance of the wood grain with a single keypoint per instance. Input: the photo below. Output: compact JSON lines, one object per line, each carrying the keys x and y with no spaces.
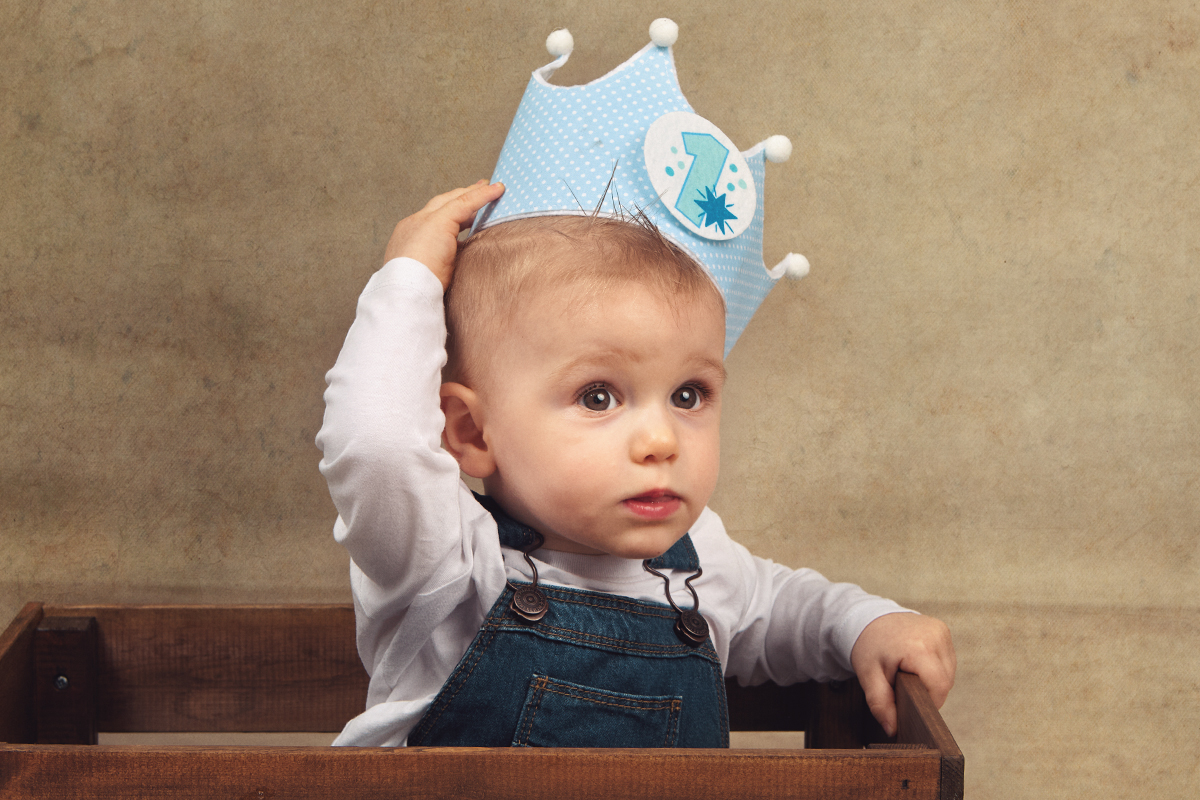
{"x":64,"y":658}
{"x":920,"y":723}
{"x":33,"y":771}
{"x":18,"y":721}
{"x":225,"y":668}
{"x":840,"y":717}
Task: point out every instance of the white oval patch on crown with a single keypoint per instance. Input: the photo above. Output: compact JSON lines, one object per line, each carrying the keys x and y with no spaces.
{"x":700,"y":175}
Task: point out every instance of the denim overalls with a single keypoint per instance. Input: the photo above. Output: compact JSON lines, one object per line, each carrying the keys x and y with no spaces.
{"x":598,"y":670}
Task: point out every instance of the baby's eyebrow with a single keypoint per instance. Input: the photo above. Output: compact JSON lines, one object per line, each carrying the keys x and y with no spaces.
{"x":616,"y":355}
{"x":599,"y":358}
{"x":710,"y":365}
{"x":715,"y":366}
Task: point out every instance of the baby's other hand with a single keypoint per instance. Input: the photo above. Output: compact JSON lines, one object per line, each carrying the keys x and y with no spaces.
{"x":431,"y":235}
{"x":907,"y":642}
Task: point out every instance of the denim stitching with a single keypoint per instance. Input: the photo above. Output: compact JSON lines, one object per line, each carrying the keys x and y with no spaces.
{"x":475,"y":651}
{"x":582,"y":637}
{"x":611,"y":603}
{"x":540,"y":683}
{"x":600,"y":600}
{"x":723,"y":703}
{"x":649,"y":705}
{"x":600,"y":637}
{"x":647,"y":648}
{"x":544,"y":684}
{"x":456,"y":679}
{"x":575,"y":690}
{"x":673,"y":724}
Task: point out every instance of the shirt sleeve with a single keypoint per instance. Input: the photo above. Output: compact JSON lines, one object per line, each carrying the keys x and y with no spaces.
{"x":785,"y":625}
{"x":414,"y":534}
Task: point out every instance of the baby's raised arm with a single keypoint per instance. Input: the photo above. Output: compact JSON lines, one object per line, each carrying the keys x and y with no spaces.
{"x":397,"y":492}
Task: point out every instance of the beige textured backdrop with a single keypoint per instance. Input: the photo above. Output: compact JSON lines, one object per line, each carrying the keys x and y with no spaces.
{"x":981,"y":402}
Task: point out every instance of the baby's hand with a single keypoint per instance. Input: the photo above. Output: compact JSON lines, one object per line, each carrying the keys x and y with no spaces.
{"x":908,"y":642}
{"x":431,"y":235}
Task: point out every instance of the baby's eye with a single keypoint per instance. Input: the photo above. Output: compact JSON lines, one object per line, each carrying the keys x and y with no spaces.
{"x":687,"y":397}
{"x":597,"y":398}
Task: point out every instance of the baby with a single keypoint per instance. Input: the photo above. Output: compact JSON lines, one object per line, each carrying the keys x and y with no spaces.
{"x":575,"y":366}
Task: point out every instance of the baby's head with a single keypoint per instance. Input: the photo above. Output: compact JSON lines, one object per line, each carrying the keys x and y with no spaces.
{"x":584,"y":380}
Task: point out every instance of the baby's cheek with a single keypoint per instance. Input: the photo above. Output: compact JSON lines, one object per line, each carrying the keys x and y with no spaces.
{"x":575,"y":481}
{"x":706,"y":462}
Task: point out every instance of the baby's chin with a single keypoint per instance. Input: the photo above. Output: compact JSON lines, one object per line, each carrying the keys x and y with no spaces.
{"x":639,"y":547}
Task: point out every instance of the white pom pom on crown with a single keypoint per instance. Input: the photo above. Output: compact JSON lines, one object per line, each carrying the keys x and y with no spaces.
{"x":560,"y":43}
{"x":779,"y":148}
{"x":793,"y":265}
{"x":663,"y":32}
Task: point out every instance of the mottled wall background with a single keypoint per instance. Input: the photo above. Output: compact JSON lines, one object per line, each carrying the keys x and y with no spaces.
{"x":983,"y":401}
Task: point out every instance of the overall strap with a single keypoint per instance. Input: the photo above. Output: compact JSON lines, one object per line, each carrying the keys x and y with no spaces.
{"x":512,"y":533}
{"x":682,"y":556}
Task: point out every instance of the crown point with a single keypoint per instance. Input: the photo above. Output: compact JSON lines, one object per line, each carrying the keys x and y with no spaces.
{"x":560,"y":42}
{"x":779,"y":148}
{"x":795,"y":266}
{"x":663,"y":32}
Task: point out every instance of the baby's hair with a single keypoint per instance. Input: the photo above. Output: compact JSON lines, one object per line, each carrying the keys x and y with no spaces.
{"x":504,"y":266}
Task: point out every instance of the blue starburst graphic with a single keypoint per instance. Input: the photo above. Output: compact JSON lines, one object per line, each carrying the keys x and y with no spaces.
{"x":714,"y":210}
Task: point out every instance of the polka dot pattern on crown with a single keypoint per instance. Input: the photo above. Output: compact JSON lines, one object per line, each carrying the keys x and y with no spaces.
{"x":566,"y":142}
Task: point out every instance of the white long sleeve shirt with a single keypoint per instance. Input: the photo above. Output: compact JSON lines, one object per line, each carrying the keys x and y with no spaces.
{"x":426,"y":564}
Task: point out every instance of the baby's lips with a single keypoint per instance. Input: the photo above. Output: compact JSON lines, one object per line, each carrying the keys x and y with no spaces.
{"x":655,"y":495}
{"x":655,"y":506}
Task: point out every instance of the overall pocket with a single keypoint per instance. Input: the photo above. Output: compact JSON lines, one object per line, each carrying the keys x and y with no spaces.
{"x":562,"y":714}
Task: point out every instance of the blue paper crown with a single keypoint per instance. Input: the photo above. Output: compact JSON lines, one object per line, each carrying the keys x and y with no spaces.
{"x":634,"y":127}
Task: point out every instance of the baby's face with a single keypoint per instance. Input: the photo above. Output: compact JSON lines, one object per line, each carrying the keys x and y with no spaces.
{"x":604,"y":419}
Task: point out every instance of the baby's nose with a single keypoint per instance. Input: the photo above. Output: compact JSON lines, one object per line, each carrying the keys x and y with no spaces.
{"x":654,"y":439}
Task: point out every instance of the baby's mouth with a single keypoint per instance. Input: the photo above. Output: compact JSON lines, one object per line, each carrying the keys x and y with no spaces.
{"x":654,"y":505}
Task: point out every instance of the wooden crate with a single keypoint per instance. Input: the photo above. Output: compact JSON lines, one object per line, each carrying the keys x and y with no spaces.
{"x":67,"y":672}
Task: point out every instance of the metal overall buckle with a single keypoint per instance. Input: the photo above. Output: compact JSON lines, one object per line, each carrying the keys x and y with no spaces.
{"x":690,"y":627}
{"x":529,"y":602}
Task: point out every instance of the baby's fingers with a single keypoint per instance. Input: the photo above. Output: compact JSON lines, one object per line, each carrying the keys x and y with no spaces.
{"x":935,"y":665}
{"x":908,"y":642}
{"x":881,"y":699}
{"x":463,"y":207}
{"x":437,"y":201}
{"x":462,"y":204}
{"x":431,"y":235}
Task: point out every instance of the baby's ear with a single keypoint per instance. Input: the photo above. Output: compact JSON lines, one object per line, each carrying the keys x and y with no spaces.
{"x":463,"y":435}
